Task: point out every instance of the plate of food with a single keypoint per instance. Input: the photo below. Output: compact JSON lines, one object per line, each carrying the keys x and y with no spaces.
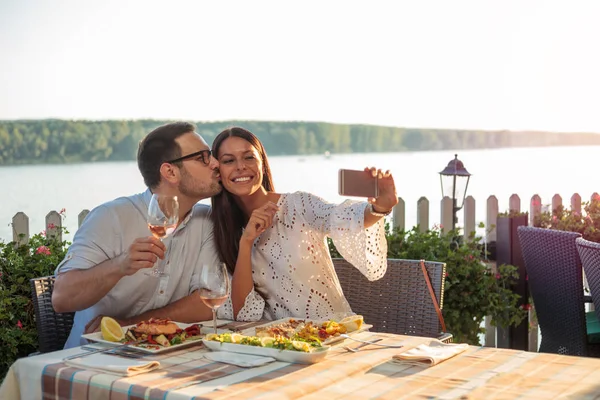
{"x":152,"y":336}
{"x":282,"y":349}
{"x":321,"y":332}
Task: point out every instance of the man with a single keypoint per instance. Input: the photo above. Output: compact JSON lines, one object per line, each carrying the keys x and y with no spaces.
{"x":103,"y":271}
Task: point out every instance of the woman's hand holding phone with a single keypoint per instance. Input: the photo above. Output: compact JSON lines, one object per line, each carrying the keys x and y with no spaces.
{"x":387,"y":197}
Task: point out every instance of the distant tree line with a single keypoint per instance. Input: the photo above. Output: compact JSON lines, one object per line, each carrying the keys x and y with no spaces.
{"x":63,"y":141}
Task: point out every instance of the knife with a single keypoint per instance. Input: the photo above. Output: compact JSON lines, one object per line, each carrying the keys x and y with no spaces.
{"x":105,"y":350}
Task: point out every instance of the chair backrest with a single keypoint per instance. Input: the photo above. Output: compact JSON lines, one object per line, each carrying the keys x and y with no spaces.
{"x":399,"y":302}
{"x":53,"y":328}
{"x":555,"y":281}
{"x":589,"y":252}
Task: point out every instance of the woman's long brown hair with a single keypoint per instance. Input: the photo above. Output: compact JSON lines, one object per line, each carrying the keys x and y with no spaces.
{"x":228,"y":218}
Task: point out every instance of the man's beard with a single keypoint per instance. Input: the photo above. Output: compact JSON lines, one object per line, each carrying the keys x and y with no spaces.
{"x":191,"y":188}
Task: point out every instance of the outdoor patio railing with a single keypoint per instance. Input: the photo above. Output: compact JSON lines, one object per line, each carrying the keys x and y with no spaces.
{"x":20,"y":227}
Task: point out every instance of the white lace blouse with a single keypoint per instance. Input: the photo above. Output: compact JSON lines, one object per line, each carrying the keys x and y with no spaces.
{"x":291,"y":264}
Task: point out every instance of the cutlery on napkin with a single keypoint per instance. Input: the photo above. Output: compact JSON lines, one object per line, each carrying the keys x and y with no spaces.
{"x":241,"y":360}
{"x":114,"y":365}
{"x":430,"y":354}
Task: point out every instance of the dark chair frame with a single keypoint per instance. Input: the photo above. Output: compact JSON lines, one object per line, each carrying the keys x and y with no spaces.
{"x":53,"y":328}
{"x":589,"y":253}
{"x":400,"y":302}
{"x":555,"y":281}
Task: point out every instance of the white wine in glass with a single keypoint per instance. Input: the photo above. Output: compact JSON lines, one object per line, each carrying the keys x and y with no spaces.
{"x":214,"y":287}
{"x":163,"y":215}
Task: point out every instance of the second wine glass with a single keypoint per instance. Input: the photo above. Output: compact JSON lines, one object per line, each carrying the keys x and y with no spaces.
{"x":214,"y":287}
{"x":163,"y":216}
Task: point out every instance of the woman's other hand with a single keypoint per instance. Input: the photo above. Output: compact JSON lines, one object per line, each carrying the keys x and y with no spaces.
{"x":259,"y":221}
{"x":387,"y":198}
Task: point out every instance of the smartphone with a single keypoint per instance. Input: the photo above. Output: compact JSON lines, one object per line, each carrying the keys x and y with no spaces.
{"x":357,"y":183}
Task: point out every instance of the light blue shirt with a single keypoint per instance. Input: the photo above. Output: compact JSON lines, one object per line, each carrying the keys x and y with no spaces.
{"x":109,"y":230}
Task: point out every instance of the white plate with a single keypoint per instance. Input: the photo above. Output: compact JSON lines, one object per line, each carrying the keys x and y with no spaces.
{"x":331,"y":340}
{"x":97,"y":337}
{"x":290,"y":356}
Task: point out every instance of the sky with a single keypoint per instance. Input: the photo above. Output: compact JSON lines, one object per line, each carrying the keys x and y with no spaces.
{"x":518,"y":65}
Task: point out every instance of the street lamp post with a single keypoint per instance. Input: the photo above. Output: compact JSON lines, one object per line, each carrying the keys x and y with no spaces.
{"x":454,"y":180}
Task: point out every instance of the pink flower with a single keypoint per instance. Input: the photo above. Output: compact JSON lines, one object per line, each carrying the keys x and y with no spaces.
{"x":446,"y":274}
{"x":554,"y":218}
{"x":62,"y":211}
{"x":441,"y":226}
{"x":43,"y":250}
{"x":44,"y":233}
{"x":498,"y":276}
{"x":536,"y":203}
{"x":20,"y":325}
{"x":51,"y":226}
{"x":526,"y":306}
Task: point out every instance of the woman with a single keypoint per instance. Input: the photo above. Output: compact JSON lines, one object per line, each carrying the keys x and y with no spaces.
{"x":276,"y":243}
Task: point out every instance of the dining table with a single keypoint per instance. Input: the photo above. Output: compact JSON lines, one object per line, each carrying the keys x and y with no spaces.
{"x":476,"y":373}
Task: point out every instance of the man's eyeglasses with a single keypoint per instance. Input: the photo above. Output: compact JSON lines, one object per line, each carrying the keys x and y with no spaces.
{"x":202,"y":155}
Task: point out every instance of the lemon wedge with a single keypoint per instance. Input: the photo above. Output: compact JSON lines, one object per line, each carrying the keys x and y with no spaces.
{"x":352,"y":323}
{"x":111,"y":330}
{"x":236,"y":338}
{"x":302,"y":346}
{"x":211,"y":336}
{"x":267,"y":341}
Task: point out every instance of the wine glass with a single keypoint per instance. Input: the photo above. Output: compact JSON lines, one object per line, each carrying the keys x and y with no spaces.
{"x":163,"y":215}
{"x":214,"y":287}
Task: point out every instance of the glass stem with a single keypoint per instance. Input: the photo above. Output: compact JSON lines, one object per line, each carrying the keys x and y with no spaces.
{"x":214,"y":310}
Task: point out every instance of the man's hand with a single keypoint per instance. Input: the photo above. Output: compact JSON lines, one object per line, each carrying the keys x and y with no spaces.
{"x":142,"y":253}
{"x":94,"y":324}
{"x":259,"y":221}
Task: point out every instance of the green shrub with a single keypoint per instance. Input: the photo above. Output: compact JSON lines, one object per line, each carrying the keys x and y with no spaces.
{"x":19,"y":264}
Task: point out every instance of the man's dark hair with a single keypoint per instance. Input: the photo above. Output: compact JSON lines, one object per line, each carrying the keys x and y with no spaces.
{"x":158,"y":147}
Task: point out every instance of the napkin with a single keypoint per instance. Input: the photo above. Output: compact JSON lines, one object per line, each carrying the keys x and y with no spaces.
{"x":430,"y":354}
{"x":113,"y":364}
{"x":241,"y":360}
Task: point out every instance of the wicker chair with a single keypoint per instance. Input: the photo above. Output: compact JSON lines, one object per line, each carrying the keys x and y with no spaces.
{"x":589,"y":252}
{"x":53,"y":328}
{"x":556,"y":284}
{"x":399,"y":302}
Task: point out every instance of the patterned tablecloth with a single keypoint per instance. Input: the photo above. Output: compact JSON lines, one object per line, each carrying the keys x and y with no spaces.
{"x":184,"y":374}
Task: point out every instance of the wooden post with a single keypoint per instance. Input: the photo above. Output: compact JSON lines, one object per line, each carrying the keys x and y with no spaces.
{"x":556,"y":202}
{"x":447,"y":214}
{"x":509,"y":252}
{"x":84,"y":214}
{"x":491,"y":218}
{"x":54,"y":225}
{"x":576,"y":203}
{"x":490,"y":330}
{"x":398,"y":215}
{"x":423,"y":214}
{"x":469,"y":216}
{"x":535,"y":208}
{"x":514,"y":203}
{"x":20,"y":225}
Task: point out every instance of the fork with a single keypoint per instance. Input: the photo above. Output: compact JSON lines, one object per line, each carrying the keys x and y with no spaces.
{"x":391,"y":346}
{"x":123,"y":352}
{"x":357,"y":348}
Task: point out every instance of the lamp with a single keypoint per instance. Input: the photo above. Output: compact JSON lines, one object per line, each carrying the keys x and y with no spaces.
{"x":455,"y":180}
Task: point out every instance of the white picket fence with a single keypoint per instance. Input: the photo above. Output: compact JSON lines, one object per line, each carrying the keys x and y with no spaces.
{"x":20,"y":225}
